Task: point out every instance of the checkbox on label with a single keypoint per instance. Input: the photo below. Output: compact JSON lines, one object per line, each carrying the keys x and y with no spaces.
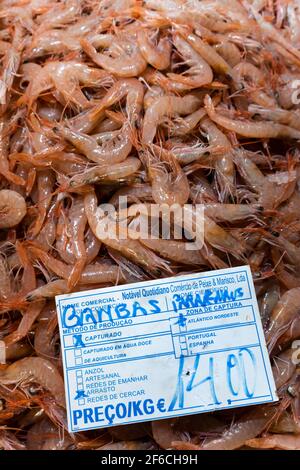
{"x":79,"y":373}
{"x":77,"y":352}
{"x":81,"y":402}
{"x":78,"y":361}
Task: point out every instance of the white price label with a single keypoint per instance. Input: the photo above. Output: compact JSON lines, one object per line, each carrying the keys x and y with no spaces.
{"x":160,"y":349}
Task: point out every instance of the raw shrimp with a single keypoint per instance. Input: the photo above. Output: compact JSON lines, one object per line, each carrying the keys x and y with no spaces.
{"x":208,"y":53}
{"x":56,"y":41}
{"x":10,"y":66}
{"x":259,"y":129}
{"x":44,"y":338}
{"x":164,"y":433}
{"x":268,"y":303}
{"x":132,"y":89}
{"x":199,"y":153}
{"x":4,"y":161}
{"x":245,"y":71}
{"x":127,"y":445}
{"x":166,"y":106}
{"x":8,"y":441}
{"x":97,"y":273}
{"x":126,"y":62}
{"x":202,"y":192}
{"x":76,"y":235}
{"x":275,"y":441}
{"x":175,"y":251}
{"x":183,"y":126}
{"x":29,"y":317}
{"x":244,"y":429}
{"x":168,"y":181}
{"x":286,"y":424}
{"x":114,"y":148}
{"x":283,"y":116}
{"x":60,"y":14}
{"x":44,"y":435}
{"x":118,"y":119}
{"x":283,"y":314}
{"x":132,"y":249}
{"x":35,"y":369}
{"x":45,"y":185}
{"x":106,"y":173}
{"x":65,"y":77}
{"x":133,"y":193}
{"x":159,"y":55}
{"x":12,"y":208}
{"x":230,"y":53}
{"x":232,"y":212}
{"x":283,"y":369}
{"x":221,"y":239}
{"x":5,"y":281}
{"x":270,"y":194}
{"x":272,"y":33}
{"x":198,"y":73}
{"x":224,"y":166}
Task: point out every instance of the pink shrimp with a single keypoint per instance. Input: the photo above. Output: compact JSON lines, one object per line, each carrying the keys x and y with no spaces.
{"x":166,"y":106}
{"x":113,"y":149}
{"x":44,"y":337}
{"x":29,"y":317}
{"x":11,"y":63}
{"x":158,"y":56}
{"x":8,"y":441}
{"x":169,"y":183}
{"x":270,"y":193}
{"x":126,"y":62}
{"x":272,"y":33}
{"x":60,"y":14}
{"x":35,"y":369}
{"x":45,"y":186}
{"x":65,"y":78}
{"x":262,"y":129}
{"x":131,"y":249}
{"x":130,"y":88}
{"x":198,"y":73}
{"x":275,"y":441}
{"x":230,"y":53}
{"x":175,"y":250}
{"x":106,"y":173}
{"x":4,"y":161}
{"x":283,"y":314}
{"x":208,"y":53}
{"x":56,"y":41}
{"x":224,"y":166}
{"x":283,"y":116}
{"x":164,"y":433}
{"x":12,"y":208}
{"x":245,"y":71}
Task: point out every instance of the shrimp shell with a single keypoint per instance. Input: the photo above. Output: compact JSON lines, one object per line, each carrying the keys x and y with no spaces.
{"x":12,"y":208}
{"x":35,"y":369}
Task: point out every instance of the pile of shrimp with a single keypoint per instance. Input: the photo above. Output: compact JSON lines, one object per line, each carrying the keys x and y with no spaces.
{"x":161,"y":101}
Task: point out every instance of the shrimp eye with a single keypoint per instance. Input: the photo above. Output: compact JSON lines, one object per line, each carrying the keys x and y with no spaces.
{"x":275,"y":234}
{"x":33,"y":389}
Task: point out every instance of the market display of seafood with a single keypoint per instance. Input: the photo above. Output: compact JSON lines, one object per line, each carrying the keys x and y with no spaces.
{"x":180,"y":102}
